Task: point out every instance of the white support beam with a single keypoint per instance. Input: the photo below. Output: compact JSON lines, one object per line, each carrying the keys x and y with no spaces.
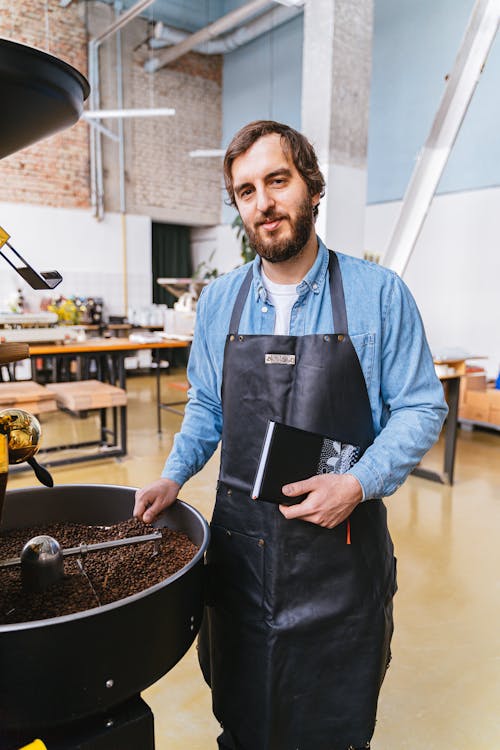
{"x":479,"y":36}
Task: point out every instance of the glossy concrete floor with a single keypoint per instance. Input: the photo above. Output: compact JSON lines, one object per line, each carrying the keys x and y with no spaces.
{"x":443,"y":687}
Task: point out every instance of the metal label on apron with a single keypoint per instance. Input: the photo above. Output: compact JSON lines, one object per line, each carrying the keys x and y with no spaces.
{"x":279,"y":359}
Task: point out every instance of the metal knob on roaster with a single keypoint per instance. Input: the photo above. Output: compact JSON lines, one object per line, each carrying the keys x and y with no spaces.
{"x":24,"y":434}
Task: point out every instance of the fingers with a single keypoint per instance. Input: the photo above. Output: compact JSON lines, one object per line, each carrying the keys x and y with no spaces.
{"x":311,"y":511}
{"x":154,"y":510}
{"x":300,"y":488}
{"x":300,"y":510}
{"x":330,"y":499}
{"x":151,"y":500}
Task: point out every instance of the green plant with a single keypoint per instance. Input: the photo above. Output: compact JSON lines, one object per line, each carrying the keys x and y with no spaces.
{"x":205,"y":270}
{"x":247,"y":252}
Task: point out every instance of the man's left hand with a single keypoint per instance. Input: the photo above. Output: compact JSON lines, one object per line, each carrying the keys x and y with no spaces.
{"x":331,"y":499}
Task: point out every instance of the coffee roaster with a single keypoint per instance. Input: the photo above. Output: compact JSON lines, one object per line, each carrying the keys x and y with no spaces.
{"x":75,"y":681}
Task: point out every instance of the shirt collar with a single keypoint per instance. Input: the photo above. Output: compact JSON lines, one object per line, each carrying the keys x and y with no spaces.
{"x":313,"y":281}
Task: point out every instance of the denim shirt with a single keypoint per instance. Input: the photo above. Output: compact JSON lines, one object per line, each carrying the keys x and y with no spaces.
{"x":406,"y":397}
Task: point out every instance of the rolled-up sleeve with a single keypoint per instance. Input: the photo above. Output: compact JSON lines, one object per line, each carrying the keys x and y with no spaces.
{"x":413,"y":401}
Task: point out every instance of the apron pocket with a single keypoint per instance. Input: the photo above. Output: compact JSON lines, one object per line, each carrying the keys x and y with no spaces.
{"x":236,"y":572}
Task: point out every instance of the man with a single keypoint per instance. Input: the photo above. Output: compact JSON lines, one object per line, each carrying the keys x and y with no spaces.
{"x":296,"y":638}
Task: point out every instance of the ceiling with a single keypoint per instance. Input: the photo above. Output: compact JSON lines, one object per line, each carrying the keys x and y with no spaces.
{"x":189,"y":15}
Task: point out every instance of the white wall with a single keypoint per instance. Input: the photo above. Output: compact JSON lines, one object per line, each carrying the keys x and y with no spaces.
{"x":454,"y":272}
{"x":87,"y":253}
{"x":220,"y":240}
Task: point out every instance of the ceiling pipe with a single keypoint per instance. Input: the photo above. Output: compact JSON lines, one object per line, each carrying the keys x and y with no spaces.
{"x":213,"y":30}
{"x":166,"y":35}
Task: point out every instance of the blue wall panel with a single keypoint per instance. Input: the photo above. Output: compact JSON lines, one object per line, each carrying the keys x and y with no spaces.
{"x":415,"y":45}
{"x":263,"y":79}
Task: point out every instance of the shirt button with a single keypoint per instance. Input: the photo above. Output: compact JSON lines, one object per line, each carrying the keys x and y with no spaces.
{"x":264,"y":309}
{"x":315,"y":286}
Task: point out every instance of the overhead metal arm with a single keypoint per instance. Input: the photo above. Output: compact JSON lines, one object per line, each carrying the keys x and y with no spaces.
{"x":36,"y":279}
{"x":462,"y":82}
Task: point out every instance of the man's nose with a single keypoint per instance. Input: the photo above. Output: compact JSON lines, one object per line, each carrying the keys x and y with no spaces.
{"x":265,"y":201}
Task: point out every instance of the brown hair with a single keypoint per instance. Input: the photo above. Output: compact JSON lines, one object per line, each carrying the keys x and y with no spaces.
{"x":294,"y":144}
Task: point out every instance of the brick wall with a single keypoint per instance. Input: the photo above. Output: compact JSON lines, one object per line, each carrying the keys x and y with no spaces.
{"x":53,"y":172}
{"x":162,"y":181}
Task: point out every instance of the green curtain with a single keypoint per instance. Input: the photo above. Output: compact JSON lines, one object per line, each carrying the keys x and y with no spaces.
{"x":171,"y":257}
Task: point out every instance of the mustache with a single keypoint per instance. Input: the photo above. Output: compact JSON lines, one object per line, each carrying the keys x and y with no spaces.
{"x":270,"y":217}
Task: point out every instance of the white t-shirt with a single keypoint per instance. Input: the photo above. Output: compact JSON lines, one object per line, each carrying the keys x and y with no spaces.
{"x":283,"y":297}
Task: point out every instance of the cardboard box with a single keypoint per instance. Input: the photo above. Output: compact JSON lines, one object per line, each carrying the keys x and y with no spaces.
{"x":494,"y":417}
{"x":481,"y":406}
{"x":472,"y":381}
{"x":476,"y":407}
{"x":493,"y":397}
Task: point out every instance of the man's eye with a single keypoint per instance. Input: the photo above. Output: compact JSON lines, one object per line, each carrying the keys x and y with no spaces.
{"x":245,"y":193}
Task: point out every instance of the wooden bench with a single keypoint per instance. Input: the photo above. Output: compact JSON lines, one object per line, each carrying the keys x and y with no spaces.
{"x":27,"y":395}
{"x":81,"y":396}
{"x":85,"y":395}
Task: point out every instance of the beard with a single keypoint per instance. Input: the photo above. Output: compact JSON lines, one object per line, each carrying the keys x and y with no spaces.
{"x":276,"y":250}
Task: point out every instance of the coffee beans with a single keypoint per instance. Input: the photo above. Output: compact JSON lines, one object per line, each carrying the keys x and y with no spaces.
{"x":113,"y":573}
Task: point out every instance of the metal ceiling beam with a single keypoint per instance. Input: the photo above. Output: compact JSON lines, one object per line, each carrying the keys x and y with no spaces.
{"x":221,"y":26}
{"x":122,"y":21}
{"x":479,"y":36}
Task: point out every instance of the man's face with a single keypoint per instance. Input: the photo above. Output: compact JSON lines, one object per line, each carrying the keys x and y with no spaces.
{"x":273,"y":200}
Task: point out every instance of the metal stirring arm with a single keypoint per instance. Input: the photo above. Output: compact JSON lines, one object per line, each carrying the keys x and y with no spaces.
{"x":84,"y":548}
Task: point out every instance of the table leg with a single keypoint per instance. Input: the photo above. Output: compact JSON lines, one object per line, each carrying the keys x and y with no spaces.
{"x":450,"y":438}
{"x":158,"y":389}
{"x":451,"y":428}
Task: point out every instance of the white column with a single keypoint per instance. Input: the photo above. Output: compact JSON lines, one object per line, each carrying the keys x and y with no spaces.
{"x":335,"y":110}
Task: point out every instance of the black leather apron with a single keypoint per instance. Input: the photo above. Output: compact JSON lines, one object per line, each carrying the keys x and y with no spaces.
{"x":296,"y":637}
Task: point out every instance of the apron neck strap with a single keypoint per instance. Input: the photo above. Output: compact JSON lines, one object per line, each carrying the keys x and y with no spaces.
{"x":240,"y":302}
{"x":336,"y":294}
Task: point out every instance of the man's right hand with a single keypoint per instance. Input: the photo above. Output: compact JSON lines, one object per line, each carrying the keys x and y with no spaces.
{"x":155,"y":497}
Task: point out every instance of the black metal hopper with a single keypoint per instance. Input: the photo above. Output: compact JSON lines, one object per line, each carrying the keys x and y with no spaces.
{"x":67,"y":669}
{"x":40,"y":95}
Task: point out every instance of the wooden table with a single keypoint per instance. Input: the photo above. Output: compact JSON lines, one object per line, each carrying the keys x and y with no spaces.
{"x":109,"y":355}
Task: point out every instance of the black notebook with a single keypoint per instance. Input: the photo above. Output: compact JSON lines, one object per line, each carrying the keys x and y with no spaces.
{"x":290,"y":455}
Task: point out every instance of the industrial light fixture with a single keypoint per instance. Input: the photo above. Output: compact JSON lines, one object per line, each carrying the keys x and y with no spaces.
{"x":206,"y":152}
{"x":96,"y":114}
